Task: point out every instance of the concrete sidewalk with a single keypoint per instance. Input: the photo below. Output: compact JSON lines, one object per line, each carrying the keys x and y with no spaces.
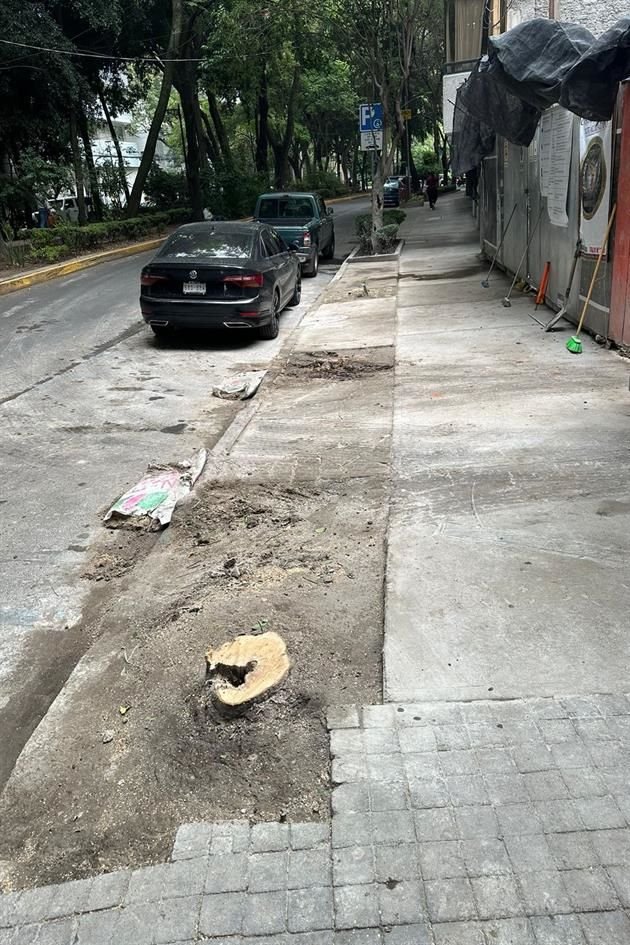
{"x":487,"y":802}
{"x":510,"y":489}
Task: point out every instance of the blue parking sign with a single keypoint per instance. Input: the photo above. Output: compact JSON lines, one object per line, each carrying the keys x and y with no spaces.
{"x":371,"y":117}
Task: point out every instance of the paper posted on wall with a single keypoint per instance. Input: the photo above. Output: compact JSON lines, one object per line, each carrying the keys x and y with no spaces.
{"x":595,"y":171}
{"x":556,"y":139}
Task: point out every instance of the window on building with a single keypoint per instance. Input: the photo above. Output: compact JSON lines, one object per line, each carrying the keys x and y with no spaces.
{"x":468,"y":17}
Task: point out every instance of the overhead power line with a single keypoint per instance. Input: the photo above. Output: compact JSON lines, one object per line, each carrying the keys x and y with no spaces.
{"x":88,"y":55}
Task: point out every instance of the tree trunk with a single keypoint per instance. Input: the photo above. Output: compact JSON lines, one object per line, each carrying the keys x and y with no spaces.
{"x":95,"y":193}
{"x":378,"y":181}
{"x":211,"y":141}
{"x":148,"y":154}
{"x":262,"y":125}
{"x":415,"y":179}
{"x":194,"y":148}
{"x":182,"y":136}
{"x":282,"y":147}
{"x":219,"y":128}
{"x":296,"y":164}
{"x":114,"y":136}
{"x":78,"y":168}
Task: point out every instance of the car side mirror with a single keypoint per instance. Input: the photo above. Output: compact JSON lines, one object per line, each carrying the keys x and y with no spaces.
{"x":330,"y":211}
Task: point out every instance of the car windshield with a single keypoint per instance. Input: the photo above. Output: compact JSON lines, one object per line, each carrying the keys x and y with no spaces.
{"x":216,"y":244}
{"x":290,"y":208}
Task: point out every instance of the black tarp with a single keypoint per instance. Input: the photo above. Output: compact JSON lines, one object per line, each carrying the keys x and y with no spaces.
{"x":535,"y":65}
{"x":532,"y":59}
{"x":590,"y":87}
{"x":472,"y":140}
{"x":492,"y":102}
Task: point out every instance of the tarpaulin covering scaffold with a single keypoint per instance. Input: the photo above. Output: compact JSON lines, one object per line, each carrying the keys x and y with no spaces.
{"x":537,"y":64}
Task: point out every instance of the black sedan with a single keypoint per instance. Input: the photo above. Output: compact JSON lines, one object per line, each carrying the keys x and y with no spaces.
{"x":220,"y":275}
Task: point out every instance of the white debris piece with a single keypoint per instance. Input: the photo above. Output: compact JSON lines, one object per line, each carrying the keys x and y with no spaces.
{"x":159,"y":491}
{"x":239,"y":387}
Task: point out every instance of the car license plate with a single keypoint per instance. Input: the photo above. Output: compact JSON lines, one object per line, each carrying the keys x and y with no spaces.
{"x":194,"y":288}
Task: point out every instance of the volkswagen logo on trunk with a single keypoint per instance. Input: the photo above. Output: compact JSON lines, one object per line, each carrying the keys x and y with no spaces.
{"x":192,"y":274}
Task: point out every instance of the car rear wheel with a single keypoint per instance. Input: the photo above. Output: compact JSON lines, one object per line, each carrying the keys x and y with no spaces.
{"x":330,"y":249}
{"x":297,"y":292}
{"x":314,"y":267}
{"x":271,"y":330}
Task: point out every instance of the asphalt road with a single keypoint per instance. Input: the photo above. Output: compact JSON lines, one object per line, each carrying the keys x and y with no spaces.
{"x":88,"y":399}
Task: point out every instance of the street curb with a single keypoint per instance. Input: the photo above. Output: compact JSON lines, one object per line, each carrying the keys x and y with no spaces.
{"x":348,"y":199}
{"x":75,"y":265}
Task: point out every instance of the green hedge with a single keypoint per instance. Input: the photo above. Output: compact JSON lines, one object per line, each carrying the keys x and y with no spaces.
{"x":324,"y":183}
{"x":386,"y":237}
{"x":60,"y":242}
{"x":363,"y":222}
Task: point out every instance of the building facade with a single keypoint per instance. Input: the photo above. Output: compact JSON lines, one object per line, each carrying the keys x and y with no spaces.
{"x":516,"y":183}
{"x":132,"y":141}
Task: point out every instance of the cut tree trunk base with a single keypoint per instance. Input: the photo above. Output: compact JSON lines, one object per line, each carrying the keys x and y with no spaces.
{"x":247,"y":669}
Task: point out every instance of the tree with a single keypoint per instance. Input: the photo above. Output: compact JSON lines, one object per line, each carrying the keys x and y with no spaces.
{"x":133,"y":204}
{"x":382,"y":36}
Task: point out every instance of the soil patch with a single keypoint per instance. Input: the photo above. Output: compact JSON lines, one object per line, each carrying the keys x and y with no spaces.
{"x":339,"y":366}
{"x":138,"y":746}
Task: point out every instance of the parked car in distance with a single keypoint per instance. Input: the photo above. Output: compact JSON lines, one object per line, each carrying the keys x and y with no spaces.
{"x":302,"y":219}
{"x":65,"y":209}
{"x":220,"y":275}
{"x":391,"y":192}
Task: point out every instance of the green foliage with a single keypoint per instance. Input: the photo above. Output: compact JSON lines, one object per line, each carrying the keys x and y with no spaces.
{"x":232,"y":193}
{"x":426,"y":160}
{"x":385,"y":236}
{"x":60,"y":242}
{"x":166,"y":188}
{"x":363,"y":222}
{"x":324,"y":183}
{"x":110,"y":179}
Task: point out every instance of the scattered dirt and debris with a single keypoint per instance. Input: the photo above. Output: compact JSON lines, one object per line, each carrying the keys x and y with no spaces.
{"x":240,"y":557}
{"x":116,"y":554}
{"x":359,"y":287}
{"x":338,"y":366}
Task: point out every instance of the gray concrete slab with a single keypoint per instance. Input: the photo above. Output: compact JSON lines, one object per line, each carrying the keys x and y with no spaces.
{"x":366,"y":323}
{"x":508,"y":551}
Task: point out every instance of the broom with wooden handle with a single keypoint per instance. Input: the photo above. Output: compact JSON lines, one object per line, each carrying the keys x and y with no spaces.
{"x":574,"y":345}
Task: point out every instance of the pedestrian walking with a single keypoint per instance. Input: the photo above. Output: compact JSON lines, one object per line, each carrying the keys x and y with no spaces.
{"x":432,"y":190}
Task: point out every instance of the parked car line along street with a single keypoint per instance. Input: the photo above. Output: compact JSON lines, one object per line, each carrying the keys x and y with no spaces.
{"x":220,"y":275}
{"x":302,"y":220}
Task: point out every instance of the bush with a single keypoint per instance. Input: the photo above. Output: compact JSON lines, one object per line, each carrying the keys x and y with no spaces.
{"x":232,"y":194}
{"x":363,"y":227}
{"x":324,"y":183}
{"x":59,"y":242}
{"x":386,"y":238}
{"x":166,"y":188}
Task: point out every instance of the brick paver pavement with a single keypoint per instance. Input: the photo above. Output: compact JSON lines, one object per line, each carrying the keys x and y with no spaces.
{"x":478,"y":823}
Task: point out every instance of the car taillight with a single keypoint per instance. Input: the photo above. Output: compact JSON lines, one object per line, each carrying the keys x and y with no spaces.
{"x":147,"y":279}
{"x":306,"y":238}
{"x":253,"y":280}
